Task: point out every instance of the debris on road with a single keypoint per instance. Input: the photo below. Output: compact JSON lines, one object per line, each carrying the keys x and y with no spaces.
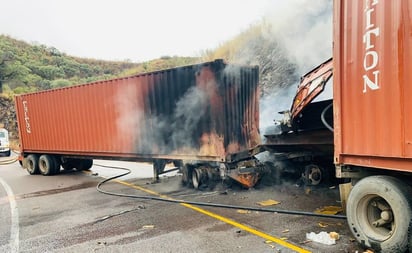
{"x":323,"y":237}
{"x":243,"y":211}
{"x":331,"y":210}
{"x":269,"y":202}
{"x":148,"y":226}
{"x":334,"y":235}
{"x":323,"y":224}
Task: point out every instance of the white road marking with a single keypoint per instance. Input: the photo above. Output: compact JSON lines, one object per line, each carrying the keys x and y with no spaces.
{"x":14,"y":231}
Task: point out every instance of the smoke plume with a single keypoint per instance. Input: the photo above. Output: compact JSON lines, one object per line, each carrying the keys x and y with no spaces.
{"x":295,"y":37}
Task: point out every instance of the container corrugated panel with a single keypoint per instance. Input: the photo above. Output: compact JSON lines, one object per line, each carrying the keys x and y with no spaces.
{"x":372,"y":83}
{"x":205,"y":111}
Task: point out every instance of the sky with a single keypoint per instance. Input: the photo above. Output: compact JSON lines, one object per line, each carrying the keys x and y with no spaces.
{"x":136,"y":30}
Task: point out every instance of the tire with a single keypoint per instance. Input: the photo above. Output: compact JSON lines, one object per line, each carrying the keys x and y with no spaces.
{"x":313,"y":175}
{"x":57,"y":164}
{"x":68,"y":165}
{"x":200,"y":178}
{"x":187,"y":171}
{"x":32,"y":164}
{"x":84,"y":164}
{"x":8,"y":153}
{"x":376,"y":198}
{"x":47,"y":165}
{"x":196,"y":178}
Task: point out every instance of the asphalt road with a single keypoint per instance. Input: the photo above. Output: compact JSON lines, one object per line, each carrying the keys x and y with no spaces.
{"x":65,"y":213}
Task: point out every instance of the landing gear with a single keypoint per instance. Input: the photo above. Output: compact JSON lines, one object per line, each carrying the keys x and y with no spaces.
{"x":158,"y":169}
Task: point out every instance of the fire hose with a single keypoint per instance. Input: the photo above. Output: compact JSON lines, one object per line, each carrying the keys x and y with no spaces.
{"x":177,"y":201}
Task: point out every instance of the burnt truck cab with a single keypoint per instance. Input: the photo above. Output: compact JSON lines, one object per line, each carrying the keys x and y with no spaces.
{"x":305,"y":140}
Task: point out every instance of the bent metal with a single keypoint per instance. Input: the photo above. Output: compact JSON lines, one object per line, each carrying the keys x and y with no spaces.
{"x":371,"y":56}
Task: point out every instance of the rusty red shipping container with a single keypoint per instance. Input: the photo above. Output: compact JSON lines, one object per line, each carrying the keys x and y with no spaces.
{"x":372,"y":83}
{"x":206,"y":111}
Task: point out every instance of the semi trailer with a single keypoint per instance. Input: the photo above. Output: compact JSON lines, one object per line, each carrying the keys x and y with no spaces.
{"x":203,"y":118}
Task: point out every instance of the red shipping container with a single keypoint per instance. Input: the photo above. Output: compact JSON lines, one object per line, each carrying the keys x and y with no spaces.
{"x":372,"y":75}
{"x":202,"y":112}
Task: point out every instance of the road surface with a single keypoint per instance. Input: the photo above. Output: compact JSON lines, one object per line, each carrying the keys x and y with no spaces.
{"x":65,"y":213}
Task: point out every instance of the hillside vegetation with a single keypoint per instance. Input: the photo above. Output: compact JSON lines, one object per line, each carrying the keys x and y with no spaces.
{"x":28,"y":67}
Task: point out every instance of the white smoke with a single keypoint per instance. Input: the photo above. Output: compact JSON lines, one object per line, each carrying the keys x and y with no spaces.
{"x":270,"y":107}
{"x":304,"y":27}
{"x":189,"y":111}
{"x":303,"y":31}
{"x":159,"y":133}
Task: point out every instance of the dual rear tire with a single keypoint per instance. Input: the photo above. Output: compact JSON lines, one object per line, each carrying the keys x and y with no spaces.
{"x":50,"y":164}
{"x":43,"y":164}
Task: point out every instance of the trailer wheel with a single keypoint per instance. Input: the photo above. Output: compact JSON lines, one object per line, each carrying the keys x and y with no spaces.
{"x":199,"y":178}
{"x":67,"y":165}
{"x":56,"y":164}
{"x":313,"y":174}
{"x":379,"y":213}
{"x":32,"y":164}
{"x":187,"y":172}
{"x":84,"y":164}
{"x":47,"y":165}
{"x":196,"y":178}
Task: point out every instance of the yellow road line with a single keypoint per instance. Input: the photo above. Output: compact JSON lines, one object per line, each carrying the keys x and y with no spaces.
{"x":224,"y":219}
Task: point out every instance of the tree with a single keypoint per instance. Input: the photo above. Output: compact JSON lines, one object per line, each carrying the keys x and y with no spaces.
{"x":10,"y":68}
{"x":4,"y":72}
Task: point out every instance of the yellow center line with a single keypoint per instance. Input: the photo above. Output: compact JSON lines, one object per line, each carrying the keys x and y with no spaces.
{"x":221,"y":218}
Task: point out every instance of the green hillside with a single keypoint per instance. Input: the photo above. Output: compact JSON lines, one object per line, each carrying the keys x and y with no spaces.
{"x":28,"y":67}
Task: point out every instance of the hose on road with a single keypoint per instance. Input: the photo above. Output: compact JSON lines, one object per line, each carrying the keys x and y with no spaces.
{"x":128,"y":171}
